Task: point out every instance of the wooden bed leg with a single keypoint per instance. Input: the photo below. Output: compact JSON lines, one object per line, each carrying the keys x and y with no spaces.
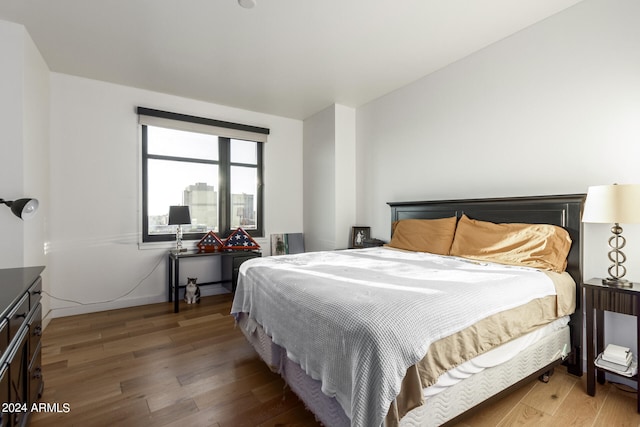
{"x":545,"y":377}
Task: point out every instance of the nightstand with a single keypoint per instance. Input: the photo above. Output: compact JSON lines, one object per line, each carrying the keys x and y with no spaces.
{"x":598,"y":299}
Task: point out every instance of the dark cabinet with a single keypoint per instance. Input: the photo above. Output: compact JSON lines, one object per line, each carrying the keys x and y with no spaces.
{"x":18,"y":374}
{"x":36,"y":383}
{"x":4,"y":336}
{"x":21,"y":382}
{"x":4,"y":393}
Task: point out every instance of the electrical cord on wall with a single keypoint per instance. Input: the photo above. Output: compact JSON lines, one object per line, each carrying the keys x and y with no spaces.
{"x":160,"y":259}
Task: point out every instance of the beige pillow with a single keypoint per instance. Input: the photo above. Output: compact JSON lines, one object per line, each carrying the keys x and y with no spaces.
{"x":541,"y":246}
{"x":424,"y":235}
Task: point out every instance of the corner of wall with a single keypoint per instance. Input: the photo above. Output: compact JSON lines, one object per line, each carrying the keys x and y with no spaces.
{"x":329,"y":177}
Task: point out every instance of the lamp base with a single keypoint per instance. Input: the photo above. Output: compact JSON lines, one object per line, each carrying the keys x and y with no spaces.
{"x":619,"y":283}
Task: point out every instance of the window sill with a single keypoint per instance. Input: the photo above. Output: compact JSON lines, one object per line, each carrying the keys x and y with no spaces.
{"x":187,"y":244}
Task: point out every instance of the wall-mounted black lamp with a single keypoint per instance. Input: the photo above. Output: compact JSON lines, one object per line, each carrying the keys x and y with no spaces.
{"x":22,"y":208}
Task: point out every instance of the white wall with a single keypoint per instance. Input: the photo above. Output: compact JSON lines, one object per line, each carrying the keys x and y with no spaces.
{"x":35,"y":174}
{"x":35,"y":124}
{"x":319,"y":181}
{"x":11,"y":172}
{"x":551,"y":110}
{"x":95,"y":192}
{"x":345,"y":161}
{"x":329,"y":178}
{"x":24,"y":149}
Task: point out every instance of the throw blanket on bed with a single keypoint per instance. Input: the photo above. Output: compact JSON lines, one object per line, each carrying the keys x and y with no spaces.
{"x":357,"y":319}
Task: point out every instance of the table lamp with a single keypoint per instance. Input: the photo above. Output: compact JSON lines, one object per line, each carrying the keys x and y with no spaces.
{"x":179,"y":215}
{"x":614,"y":204}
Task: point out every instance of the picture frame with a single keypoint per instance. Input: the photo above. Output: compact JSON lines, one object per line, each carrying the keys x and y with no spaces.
{"x":209,"y":243}
{"x":287,"y":243}
{"x":240,"y":240}
{"x":358,"y":236}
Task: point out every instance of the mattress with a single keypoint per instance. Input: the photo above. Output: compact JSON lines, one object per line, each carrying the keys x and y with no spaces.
{"x":494,"y":357}
{"x":477,"y":388}
{"x":456,"y":391}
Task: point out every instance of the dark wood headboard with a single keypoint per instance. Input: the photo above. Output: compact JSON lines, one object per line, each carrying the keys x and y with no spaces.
{"x":563,"y":210}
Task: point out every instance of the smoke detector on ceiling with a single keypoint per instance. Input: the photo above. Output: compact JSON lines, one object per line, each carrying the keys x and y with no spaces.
{"x":247,"y":4}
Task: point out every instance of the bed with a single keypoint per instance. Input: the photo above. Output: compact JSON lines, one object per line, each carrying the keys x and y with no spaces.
{"x":363,"y":342}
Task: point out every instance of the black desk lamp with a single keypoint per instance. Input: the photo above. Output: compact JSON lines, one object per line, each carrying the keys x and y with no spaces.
{"x":179,"y":215}
{"x":22,"y":208}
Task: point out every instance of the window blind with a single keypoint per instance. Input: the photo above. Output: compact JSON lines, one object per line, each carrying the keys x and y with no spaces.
{"x":166,"y":119}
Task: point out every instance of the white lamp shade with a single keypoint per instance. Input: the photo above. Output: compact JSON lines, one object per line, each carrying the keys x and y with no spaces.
{"x":618,"y":203}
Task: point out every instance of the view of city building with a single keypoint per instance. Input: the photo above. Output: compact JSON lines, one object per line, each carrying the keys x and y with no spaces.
{"x":242,"y":211}
{"x":202,"y":200}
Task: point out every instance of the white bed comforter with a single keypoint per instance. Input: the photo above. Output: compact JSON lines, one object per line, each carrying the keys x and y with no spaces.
{"x":357,"y":319}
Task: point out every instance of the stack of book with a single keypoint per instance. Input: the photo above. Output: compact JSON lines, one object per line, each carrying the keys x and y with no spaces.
{"x":617,"y":359}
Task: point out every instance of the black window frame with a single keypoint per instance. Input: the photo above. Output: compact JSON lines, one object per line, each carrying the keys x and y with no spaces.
{"x":224,"y":173}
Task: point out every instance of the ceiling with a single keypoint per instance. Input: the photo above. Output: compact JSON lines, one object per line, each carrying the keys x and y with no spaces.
{"x":290,"y":58}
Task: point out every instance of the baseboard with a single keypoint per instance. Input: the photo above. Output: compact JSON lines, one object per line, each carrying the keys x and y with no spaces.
{"x":125,"y":303}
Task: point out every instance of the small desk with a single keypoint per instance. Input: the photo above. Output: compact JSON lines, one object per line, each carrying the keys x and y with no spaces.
{"x":601,"y":298}
{"x":229,"y":262}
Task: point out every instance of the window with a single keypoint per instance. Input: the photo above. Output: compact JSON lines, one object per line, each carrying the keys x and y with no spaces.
{"x":213,"y":167}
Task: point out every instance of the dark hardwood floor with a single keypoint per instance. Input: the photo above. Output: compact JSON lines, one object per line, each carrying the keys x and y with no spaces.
{"x":148,"y":366}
